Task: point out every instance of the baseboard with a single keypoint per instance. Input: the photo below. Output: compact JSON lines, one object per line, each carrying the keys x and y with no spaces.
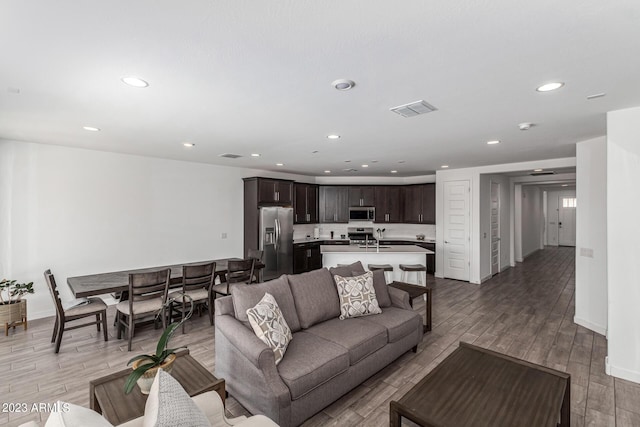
{"x":602,"y":330}
{"x":506,"y":267}
{"x":622,"y":373}
{"x":484,"y":279}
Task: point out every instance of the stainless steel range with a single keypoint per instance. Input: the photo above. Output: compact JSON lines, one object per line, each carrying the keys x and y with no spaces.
{"x":361,"y":235}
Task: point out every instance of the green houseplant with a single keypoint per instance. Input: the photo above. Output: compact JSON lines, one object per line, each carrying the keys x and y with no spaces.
{"x":145,"y":366}
{"x":13,"y":309}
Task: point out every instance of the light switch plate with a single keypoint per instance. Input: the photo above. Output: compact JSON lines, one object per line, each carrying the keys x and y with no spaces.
{"x":586,"y":252}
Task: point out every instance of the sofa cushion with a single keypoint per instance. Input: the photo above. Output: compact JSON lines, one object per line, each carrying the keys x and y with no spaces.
{"x":358,"y":337}
{"x":70,"y":415}
{"x":245,"y":297}
{"x":348,"y":270}
{"x":398,"y":322}
{"x":315,"y":296}
{"x":357,"y":296}
{"x":310,"y":362}
{"x":381,"y":288}
{"x":269,"y":325}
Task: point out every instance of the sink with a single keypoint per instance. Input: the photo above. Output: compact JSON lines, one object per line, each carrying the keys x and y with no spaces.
{"x":374,"y":247}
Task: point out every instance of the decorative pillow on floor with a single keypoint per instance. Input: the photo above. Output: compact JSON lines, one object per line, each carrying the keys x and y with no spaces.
{"x":168,"y":405}
{"x":357,"y":296}
{"x":269,"y":325}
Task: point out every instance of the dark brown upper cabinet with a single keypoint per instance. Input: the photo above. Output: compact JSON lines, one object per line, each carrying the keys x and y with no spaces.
{"x":334,"y":204}
{"x":388,"y":204}
{"x":420,"y":204}
{"x":305,"y":203}
{"x":361,"y":195}
{"x":275,"y":192}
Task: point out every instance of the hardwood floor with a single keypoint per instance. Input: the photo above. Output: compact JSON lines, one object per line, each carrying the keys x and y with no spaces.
{"x":526,"y":311}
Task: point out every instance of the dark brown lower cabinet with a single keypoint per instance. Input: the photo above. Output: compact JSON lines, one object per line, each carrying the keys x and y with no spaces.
{"x":306,"y":257}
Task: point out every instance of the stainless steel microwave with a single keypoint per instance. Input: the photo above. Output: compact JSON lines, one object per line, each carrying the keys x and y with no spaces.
{"x":362,"y":213}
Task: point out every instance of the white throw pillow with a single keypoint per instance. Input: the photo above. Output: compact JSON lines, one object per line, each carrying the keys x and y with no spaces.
{"x":70,"y":415}
{"x":168,"y":405}
{"x":357,"y":296}
{"x":269,"y":325}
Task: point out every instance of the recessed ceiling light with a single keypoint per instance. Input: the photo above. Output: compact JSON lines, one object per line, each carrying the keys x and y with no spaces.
{"x":394,"y":171}
{"x":538,"y":170}
{"x":333,"y":136}
{"x":188,"y":144}
{"x":327,"y":171}
{"x":279,"y":164}
{"x":444,"y":166}
{"x":90,"y":128}
{"x":494,"y":142}
{"x":365,"y":166}
{"x":343,"y":84}
{"x":565,"y":185}
{"x":548,"y":87}
{"x":134,"y":81}
{"x":255,"y":155}
{"x":596,"y":95}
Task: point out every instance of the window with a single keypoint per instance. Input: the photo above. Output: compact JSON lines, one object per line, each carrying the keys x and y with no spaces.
{"x":569,"y":202}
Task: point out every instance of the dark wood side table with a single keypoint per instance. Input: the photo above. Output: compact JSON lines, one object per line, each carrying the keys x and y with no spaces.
{"x":106,"y":395}
{"x":416,"y":291}
{"x":482,"y":388}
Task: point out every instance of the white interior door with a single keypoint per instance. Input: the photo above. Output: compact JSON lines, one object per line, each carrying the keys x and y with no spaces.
{"x":567,"y":221}
{"x":456,"y":229}
{"x":495,"y":228}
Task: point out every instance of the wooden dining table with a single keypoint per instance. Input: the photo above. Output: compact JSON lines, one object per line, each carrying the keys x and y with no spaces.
{"x":118,"y":281}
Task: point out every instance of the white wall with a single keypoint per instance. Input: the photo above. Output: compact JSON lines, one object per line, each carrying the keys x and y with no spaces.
{"x":623,"y":235}
{"x":532,"y":221}
{"x":591,"y":235}
{"x":80,"y":212}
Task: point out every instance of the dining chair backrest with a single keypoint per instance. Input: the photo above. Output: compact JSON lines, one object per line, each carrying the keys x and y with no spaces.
{"x":198,"y":276}
{"x":255,"y":253}
{"x":53,"y":290}
{"x":240,"y":270}
{"x":148,"y":285}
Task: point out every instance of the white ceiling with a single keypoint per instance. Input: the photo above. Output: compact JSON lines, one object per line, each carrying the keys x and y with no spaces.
{"x":255,"y":77}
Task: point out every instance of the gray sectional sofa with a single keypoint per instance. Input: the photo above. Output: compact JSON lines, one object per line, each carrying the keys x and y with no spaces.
{"x":326,"y":358}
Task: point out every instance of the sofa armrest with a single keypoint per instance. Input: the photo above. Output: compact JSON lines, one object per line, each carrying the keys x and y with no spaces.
{"x":399,"y":298}
{"x":249,"y":367}
{"x":224,"y":305}
{"x":245,"y":341}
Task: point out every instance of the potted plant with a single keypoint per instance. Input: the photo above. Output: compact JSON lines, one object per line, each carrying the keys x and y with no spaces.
{"x":145,"y":366}
{"x":13,"y":309}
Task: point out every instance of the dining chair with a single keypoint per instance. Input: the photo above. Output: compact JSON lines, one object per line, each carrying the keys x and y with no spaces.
{"x":197,"y":281}
{"x":238,"y":272}
{"x":147,"y":297}
{"x":258,"y":255}
{"x":85,"y":308}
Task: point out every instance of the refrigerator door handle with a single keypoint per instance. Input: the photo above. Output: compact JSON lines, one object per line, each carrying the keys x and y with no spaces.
{"x":277,"y":227}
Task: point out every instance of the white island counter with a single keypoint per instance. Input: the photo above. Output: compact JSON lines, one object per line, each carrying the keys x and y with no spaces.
{"x":332,"y":255}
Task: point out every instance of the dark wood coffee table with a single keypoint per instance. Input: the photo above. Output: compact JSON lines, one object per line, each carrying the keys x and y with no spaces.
{"x":478,"y":387}
{"x":416,"y":291}
{"x":106,"y":395}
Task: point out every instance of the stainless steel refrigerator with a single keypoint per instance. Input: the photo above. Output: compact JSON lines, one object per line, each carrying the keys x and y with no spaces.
{"x":276,"y":240}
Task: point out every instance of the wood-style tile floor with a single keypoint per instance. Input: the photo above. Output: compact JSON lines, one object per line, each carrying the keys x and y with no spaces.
{"x":526,"y":311}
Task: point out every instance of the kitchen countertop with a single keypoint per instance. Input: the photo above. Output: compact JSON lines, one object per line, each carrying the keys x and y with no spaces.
{"x":389,"y":249}
{"x":327,"y":238}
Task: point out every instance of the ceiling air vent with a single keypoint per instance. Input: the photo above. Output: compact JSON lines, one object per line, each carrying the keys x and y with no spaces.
{"x":350,"y":170}
{"x":542,"y":173}
{"x":414,"y":109}
{"x":230,"y":156}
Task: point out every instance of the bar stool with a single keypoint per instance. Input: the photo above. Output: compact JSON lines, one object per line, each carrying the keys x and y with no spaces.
{"x":385,"y":267}
{"x":411,"y":268}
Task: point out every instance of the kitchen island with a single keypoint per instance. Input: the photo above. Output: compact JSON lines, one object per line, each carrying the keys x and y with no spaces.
{"x":384,"y":254}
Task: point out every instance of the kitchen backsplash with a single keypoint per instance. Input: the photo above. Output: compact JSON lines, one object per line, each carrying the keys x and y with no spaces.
{"x":300,"y":231}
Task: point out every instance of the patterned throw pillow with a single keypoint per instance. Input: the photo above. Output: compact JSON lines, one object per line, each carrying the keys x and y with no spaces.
{"x":357,"y":296}
{"x":168,"y":405}
{"x":269,"y":325}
